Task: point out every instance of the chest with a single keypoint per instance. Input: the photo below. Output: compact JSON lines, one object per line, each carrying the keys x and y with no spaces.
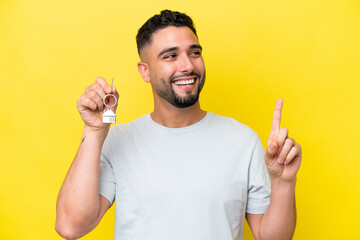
{"x":181,"y":173}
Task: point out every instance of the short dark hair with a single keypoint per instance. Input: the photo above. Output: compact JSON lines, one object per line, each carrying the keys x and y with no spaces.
{"x":165,"y":19}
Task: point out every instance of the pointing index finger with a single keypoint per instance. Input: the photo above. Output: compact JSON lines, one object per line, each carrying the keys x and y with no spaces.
{"x":276,"y":118}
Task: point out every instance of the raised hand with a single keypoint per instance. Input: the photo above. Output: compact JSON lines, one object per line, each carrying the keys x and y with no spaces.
{"x":91,"y":106}
{"x":283,"y":155}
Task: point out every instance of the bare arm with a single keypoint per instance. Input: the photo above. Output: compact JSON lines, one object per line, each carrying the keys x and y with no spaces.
{"x":79,"y":206}
{"x":283,"y":158}
{"x":279,"y":220}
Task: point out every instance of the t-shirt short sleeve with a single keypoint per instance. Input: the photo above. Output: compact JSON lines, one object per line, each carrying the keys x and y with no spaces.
{"x":107,"y":186}
{"x":258,"y":182}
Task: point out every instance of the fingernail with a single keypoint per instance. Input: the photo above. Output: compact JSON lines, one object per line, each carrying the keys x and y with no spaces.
{"x":108,"y":89}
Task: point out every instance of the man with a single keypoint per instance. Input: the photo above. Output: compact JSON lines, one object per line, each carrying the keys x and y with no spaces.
{"x":179,"y":172}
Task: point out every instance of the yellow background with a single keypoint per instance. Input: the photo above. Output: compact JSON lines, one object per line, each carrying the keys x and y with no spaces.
{"x":307,"y":52}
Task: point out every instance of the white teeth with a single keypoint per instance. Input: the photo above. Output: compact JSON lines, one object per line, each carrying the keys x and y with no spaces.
{"x":185,"y":82}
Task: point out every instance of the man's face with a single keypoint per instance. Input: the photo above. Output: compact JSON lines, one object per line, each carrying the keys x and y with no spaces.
{"x":176,"y":66}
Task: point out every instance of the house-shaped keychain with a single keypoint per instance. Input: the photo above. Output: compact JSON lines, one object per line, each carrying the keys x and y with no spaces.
{"x":109,"y":116}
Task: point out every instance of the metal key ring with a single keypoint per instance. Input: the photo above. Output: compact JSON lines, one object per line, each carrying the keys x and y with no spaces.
{"x":110,"y":95}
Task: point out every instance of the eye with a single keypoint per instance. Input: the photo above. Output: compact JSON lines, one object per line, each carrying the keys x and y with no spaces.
{"x":170,"y":56}
{"x":195,"y":53}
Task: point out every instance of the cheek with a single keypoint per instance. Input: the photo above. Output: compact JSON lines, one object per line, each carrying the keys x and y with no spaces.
{"x":169,"y":69}
{"x":199,"y":65}
{"x":164,"y":71}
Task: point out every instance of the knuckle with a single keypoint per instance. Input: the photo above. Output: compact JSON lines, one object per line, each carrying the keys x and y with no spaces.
{"x":290,"y":141}
{"x":92,"y":94}
{"x":100,"y":80}
{"x":284,"y":130}
{"x":97,"y":86}
{"x":88,"y":88}
{"x":284,"y":152}
{"x":81,"y":99}
{"x":291,"y":155}
{"x":294,"y":150}
{"x":87,"y":101}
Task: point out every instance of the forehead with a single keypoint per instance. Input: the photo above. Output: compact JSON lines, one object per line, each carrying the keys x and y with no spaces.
{"x":181,"y":37}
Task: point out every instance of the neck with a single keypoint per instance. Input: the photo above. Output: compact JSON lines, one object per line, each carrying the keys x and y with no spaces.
{"x":172,"y":117}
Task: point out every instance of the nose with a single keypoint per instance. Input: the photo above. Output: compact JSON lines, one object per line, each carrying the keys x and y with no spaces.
{"x":185,"y":64}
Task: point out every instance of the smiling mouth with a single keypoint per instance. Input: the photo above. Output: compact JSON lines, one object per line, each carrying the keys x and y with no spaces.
{"x":187,"y":82}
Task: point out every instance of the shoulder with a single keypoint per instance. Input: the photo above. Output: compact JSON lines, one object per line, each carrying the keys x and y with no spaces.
{"x":231,"y":126}
{"x":120,"y":130}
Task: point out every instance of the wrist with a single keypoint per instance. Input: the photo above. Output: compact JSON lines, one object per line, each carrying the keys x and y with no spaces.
{"x":278,"y":182}
{"x":99,"y":133}
{"x":282,"y":190}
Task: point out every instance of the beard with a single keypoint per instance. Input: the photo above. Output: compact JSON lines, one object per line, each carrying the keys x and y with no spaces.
{"x":166,"y":91}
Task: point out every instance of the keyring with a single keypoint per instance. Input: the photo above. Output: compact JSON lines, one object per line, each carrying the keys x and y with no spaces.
{"x":110,"y":95}
{"x":109,"y":116}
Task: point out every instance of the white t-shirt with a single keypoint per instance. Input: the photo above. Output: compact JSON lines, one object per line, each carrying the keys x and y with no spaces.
{"x":188,"y":183}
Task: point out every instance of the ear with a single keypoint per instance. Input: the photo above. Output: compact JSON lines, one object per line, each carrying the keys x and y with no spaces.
{"x":143,"y":69}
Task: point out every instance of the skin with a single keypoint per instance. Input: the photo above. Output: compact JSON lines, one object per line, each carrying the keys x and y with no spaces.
{"x":157,"y":70}
{"x":79,"y":207}
{"x":174,"y":54}
{"x":283,"y":158}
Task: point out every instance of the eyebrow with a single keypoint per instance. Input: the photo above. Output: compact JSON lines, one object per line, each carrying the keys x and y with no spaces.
{"x":167,"y":50}
{"x":196,"y":46}
{"x":177,"y":48}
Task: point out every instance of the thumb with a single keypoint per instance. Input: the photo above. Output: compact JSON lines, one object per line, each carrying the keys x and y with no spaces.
{"x":271,"y":151}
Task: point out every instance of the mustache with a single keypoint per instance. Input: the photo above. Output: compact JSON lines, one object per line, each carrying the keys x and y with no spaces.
{"x":185,"y":75}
